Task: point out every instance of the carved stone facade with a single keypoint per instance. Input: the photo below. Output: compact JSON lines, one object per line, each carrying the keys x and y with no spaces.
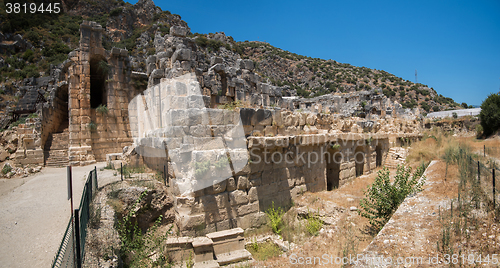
{"x":97,"y":78}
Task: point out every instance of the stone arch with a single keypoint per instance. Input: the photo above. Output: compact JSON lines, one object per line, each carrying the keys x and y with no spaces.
{"x":359,"y":158}
{"x":98,"y":75}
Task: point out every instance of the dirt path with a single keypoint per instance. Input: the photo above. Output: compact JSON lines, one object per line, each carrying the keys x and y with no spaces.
{"x":34,"y":212}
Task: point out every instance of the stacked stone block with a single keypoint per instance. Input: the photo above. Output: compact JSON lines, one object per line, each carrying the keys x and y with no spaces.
{"x":29,"y":151}
{"x":111,"y":133}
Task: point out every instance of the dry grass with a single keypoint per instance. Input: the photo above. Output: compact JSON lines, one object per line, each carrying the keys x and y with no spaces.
{"x":431,"y":147}
{"x":350,"y":233}
{"x":477,"y":145}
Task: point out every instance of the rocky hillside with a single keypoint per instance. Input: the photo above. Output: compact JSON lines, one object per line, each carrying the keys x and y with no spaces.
{"x":35,"y":45}
{"x":311,"y":77}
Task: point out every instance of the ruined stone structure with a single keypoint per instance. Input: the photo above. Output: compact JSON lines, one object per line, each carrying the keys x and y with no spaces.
{"x":274,"y":155}
{"x":367,"y":104}
{"x":281,"y":168}
{"x":226,"y":166}
{"x":92,"y":78}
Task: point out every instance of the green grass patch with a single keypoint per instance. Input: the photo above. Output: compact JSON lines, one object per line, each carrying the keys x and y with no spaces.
{"x":264,"y":251}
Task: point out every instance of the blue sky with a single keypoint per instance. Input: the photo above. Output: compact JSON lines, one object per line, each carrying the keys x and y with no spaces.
{"x":454,"y":45}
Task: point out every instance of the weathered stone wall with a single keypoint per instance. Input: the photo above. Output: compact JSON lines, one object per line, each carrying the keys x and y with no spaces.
{"x":261,"y":122}
{"x":29,"y":151}
{"x":279,"y":169}
{"x":112,"y":132}
{"x":94,"y":134}
{"x":55,"y":113}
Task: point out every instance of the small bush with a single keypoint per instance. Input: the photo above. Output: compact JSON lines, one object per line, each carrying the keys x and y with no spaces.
{"x":383,"y":198}
{"x":222,"y":163}
{"x":103,"y":67}
{"x":102,"y":109}
{"x":200,"y":168}
{"x":115,"y":12}
{"x":479,"y":130}
{"x":275,"y":216}
{"x":313,"y":225}
{"x":136,"y":245}
{"x":18,"y":122}
{"x":6,"y":169}
{"x":28,"y":55}
{"x":92,"y":126}
{"x":425,"y":106}
{"x":231,"y":105}
{"x":455,"y":115}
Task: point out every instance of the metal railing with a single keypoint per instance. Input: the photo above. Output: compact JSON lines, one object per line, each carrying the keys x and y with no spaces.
{"x":72,"y":248}
{"x":65,"y":256}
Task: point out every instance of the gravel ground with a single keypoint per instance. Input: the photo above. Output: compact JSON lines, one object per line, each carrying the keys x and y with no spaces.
{"x":34,"y":213}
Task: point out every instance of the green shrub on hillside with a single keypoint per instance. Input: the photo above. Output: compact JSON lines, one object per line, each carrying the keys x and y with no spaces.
{"x":115,"y":12}
{"x":425,"y":106}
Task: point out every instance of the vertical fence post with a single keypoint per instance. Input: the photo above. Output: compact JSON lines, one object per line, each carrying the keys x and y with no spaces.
{"x":471,"y":167}
{"x":478,"y":172}
{"x":484,"y":150}
{"x":77,"y":239}
{"x":95,"y":174}
{"x":166,"y":174}
{"x":121,"y":171}
{"x":494,"y":189}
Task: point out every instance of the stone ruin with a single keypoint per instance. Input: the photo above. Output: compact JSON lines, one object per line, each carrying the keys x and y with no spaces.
{"x":226,"y":166}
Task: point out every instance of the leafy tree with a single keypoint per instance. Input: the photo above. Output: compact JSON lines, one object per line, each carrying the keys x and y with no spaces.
{"x":490,"y":114}
{"x":464,"y":105}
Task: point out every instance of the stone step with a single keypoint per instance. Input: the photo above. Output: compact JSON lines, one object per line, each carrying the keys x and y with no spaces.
{"x":56,"y":157}
{"x":233,"y":256}
{"x":206,"y":264}
{"x":57,"y":164}
{"x":56,"y":153}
